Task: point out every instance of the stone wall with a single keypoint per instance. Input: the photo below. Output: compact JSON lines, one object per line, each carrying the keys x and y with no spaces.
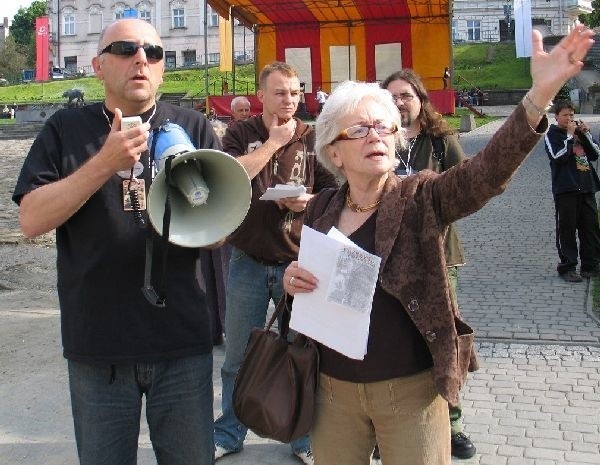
{"x":504,"y":97}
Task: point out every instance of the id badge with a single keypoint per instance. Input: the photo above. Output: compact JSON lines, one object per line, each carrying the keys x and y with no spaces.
{"x":137,"y":198}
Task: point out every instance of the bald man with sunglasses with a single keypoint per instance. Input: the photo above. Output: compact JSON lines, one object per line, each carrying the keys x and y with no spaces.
{"x":79,"y":178}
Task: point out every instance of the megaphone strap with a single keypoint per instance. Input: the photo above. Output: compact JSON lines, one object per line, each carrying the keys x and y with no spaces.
{"x":159,"y":299}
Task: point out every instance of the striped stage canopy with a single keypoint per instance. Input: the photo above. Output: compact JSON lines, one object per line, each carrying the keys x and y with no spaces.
{"x":331,"y":41}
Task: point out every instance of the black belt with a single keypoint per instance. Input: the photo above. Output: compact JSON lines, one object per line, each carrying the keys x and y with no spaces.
{"x":267,"y":262}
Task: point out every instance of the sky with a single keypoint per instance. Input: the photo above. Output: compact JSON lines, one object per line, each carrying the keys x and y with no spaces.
{"x":9,"y":8}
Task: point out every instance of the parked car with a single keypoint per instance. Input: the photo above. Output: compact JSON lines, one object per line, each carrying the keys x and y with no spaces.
{"x":57,"y":73}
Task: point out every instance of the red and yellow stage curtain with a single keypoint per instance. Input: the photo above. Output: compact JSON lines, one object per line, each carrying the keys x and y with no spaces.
{"x":349,"y":39}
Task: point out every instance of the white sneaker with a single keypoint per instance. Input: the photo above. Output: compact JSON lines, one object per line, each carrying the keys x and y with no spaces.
{"x":306,"y":457}
{"x":220,"y":451}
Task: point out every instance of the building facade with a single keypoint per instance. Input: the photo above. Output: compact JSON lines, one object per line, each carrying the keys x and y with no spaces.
{"x":493,"y":20}
{"x":3,"y":33}
{"x":75,"y":27}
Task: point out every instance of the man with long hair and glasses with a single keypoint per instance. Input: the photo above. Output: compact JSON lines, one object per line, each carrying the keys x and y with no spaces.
{"x":433,"y":145}
{"x":118,"y":345}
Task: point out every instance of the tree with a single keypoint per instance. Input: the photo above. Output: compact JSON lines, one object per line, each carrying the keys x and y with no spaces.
{"x":593,"y":19}
{"x":22,"y":29}
{"x":13,"y":60}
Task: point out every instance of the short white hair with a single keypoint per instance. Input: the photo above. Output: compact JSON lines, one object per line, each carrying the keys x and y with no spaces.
{"x":239,"y":99}
{"x":344,"y":100}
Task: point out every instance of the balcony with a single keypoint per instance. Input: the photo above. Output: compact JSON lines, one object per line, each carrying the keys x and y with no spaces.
{"x":577,"y":7}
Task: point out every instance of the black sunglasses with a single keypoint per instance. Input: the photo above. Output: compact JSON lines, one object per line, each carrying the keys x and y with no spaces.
{"x":128,"y":49}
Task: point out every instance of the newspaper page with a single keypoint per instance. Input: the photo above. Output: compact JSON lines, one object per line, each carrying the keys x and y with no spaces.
{"x":338,"y":312}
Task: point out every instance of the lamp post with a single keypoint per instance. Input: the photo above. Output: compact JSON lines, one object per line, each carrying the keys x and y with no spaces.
{"x":507,"y":17}
{"x":560,"y":15}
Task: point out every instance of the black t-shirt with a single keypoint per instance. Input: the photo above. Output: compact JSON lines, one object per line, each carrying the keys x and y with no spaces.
{"x":395,"y":347}
{"x":101,"y":251}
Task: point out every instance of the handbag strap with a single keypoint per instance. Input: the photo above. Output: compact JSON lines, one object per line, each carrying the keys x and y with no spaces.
{"x":283,"y":309}
{"x":315,"y":209}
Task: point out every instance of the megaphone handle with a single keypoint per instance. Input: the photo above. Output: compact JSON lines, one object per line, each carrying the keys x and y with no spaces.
{"x":148,"y":289}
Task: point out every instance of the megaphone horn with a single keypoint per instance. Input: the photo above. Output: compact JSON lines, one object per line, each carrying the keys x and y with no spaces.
{"x":212,"y":193}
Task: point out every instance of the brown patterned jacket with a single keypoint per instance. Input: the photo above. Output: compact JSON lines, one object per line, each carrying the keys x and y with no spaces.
{"x":413,"y":216}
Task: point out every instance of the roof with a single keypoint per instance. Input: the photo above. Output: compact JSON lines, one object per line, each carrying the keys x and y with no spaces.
{"x":278,"y":12}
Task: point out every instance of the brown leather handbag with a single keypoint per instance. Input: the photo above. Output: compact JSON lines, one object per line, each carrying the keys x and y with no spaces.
{"x":275,"y":388}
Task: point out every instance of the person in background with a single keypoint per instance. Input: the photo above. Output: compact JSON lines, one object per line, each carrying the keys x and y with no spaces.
{"x":432,"y":145}
{"x":571,"y":148}
{"x":446,"y":78}
{"x":403,"y":221}
{"x":301,"y":112}
{"x":240,"y":109}
{"x":321,"y":98}
{"x":274,"y":148}
{"x":119,"y":346}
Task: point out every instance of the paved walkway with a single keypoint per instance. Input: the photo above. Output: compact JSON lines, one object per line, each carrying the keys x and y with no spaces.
{"x":535,"y":400}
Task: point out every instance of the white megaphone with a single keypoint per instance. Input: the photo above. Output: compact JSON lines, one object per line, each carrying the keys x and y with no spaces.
{"x":212,"y":193}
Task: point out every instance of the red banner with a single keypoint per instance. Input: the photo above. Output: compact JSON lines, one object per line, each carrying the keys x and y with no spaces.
{"x":442,"y":100}
{"x":42,"y":38}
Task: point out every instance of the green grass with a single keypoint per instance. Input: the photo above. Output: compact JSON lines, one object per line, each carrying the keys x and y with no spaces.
{"x":190,"y":81}
{"x":486,"y":66}
{"x":454,"y":120}
{"x":490,"y":66}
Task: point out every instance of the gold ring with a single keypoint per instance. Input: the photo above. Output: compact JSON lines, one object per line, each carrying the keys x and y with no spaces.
{"x":572,"y":60}
{"x":292,"y":280}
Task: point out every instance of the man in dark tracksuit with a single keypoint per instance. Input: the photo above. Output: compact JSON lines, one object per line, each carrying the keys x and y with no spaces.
{"x":570,"y":147}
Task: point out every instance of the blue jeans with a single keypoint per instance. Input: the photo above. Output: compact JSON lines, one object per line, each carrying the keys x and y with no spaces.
{"x":107,"y":402}
{"x":250,"y":288}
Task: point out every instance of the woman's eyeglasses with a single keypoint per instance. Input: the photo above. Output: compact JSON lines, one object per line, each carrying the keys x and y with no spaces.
{"x":126,"y":48}
{"x":383,"y":128}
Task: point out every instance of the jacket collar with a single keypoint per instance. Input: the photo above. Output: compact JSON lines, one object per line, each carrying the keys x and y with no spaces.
{"x":389,"y":216}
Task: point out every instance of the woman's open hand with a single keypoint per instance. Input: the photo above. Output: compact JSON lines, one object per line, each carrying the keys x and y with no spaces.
{"x":551,"y":70}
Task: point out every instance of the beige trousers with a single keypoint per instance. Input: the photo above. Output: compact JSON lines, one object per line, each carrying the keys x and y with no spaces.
{"x":406,"y":416}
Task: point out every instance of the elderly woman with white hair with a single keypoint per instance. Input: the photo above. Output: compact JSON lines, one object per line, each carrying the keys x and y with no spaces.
{"x":419,"y":348}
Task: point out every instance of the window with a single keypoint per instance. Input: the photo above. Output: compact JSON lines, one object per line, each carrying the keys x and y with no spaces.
{"x":454,"y":30}
{"x":189,"y":57}
{"x":146,"y":15}
{"x":473,"y":30}
{"x":95,"y":23}
{"x":71,"y":65}
{"x":69,"y":24}
{"x":178,"y":18}
{"x":214,"y":57}
{"x":119,"y":14}
{"x":541,"y":22}
{"x":95,"y":20}
{"x":170,"y":59}
{"x":212,"y":18}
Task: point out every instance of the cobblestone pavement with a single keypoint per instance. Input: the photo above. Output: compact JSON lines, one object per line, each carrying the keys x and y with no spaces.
{"x":535,"y":400}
